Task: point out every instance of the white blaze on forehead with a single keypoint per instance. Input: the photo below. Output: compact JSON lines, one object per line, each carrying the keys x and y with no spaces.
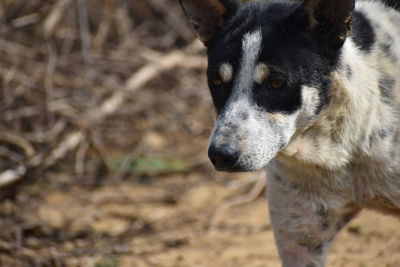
{"x":251,"y":46}
{"x":261,"y":73}
{"x":226,"y":72}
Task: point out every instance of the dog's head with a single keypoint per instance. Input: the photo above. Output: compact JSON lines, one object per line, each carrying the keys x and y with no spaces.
{"x":268,"y":71}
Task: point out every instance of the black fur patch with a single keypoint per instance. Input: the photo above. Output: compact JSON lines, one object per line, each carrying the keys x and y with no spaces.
{"x":313,"y":246}
{"x":386,"y":87}
{"x":393,"y":3}
{"x":323,"y":93}
{"x":295,"y":186}
{"x":346,"y":218}
{"x":386,"y":45}
{"x":363,"y":33}
{"x":380,"y":135}
{"x":317,"y":249}
{"x":278,"y":178}
{"x":322,"y":212}
{"x":244,"y":115}
{"x":349,"y":71}
{"x":325,"y":226}
{"x":386,"y":48}
{"x":293,"y":53}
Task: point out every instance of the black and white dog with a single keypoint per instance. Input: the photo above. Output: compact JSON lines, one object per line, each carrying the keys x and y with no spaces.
{"x":310,"y":90}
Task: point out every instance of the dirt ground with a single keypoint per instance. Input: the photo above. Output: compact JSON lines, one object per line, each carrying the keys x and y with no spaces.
{"x":166,"y":222}
{"x":104,"y":122}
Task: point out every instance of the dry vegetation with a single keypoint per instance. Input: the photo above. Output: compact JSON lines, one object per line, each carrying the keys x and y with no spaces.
{"x":70,"y":68}
{"x":104,"y":121}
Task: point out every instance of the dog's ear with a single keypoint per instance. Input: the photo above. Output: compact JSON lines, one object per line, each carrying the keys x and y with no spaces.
{"x":208,"y":15}
{"x":329,"y":18}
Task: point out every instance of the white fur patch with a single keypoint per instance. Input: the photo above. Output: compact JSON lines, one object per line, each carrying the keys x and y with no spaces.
{"x":310,"y":100}
{"x":310,"y":96}
{"x":251,"y":46}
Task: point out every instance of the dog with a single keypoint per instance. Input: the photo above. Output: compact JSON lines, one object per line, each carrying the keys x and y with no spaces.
{"x":311,"y":91}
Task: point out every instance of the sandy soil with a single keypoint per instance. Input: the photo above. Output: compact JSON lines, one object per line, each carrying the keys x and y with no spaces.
{"x":166,"y":222}
{"x":79,"y":209}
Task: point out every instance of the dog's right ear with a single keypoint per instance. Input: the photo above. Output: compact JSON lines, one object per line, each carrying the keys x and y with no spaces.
{"x":207,"y":16}
{"x":331,"y":18}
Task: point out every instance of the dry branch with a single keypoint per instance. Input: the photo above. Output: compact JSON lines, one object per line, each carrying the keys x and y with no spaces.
{"x":176,"y":22}
{"x":110,"y":105}
{"x":255,"y":192}
{"x":143,"y":76}
{"x":54,"y":17}
{"x":53,"y":116}
{"x":11,"y":176}
{"x":18,"y":141}
{"x":84,"y":33}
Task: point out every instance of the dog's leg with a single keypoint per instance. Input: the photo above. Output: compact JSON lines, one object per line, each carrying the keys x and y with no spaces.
{"x":304,"y":225}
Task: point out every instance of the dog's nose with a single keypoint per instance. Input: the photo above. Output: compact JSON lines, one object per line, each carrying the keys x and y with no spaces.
{"x":223,"y":157}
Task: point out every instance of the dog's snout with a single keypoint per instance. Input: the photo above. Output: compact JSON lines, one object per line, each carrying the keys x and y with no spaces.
{"x":223,"y":157}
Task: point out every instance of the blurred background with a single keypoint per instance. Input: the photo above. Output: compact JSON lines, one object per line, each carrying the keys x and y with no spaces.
{"x":104,"y":122}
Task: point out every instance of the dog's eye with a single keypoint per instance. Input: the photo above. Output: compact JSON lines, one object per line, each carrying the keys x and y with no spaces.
{"x":276,"y":84}
{"x":217,"y":81}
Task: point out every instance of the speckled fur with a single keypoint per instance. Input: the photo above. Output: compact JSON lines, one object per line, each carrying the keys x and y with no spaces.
{"x":349,"y":158}
{"x":333,"y":163}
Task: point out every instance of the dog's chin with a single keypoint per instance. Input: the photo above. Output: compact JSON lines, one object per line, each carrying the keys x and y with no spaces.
{"x":238,"y":168}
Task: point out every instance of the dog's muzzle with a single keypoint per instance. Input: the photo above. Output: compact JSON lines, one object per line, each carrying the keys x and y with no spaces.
{"x":224,"y":157}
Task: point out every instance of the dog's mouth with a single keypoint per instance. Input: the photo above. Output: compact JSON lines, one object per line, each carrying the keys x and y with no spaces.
{"x":245,"y":146}
{"x":226,"y":158}
{"x":234,"y":169}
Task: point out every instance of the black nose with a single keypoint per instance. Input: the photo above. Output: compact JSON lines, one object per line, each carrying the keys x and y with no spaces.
{"x":223,"y":157}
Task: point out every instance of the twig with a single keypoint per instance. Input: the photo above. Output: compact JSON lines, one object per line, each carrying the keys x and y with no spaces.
{"x":18,"y":141}
{"x":16,"y":49}
{"x":69,"y":143}
{"x":108,"y":107}
{"x":84,"y":33}
{"x":20,"y":77}
{"x":100,"y":150}
{"x":54,"y":17}
{"x":176,"y":22}
{"x":25,"y":20}
{"x":11,"y":176}
{"x":18,"y":245}
{"x":123,"y":22}
{"x":111,"y":105}
{"x":47,"y":136}
{"x":80,"y":158}
{"x":48,"y":81}
{"x":56,"y":106}
{"x":140,"y":78}
{"x":23,"y":251}
{"x":242,"y":199}
{"x":122,"y":170}
{"x":10,"y":154}
{"x":104,"y":26}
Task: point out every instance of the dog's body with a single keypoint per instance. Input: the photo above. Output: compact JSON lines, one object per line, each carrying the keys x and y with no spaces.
{"x":312,"y":91}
